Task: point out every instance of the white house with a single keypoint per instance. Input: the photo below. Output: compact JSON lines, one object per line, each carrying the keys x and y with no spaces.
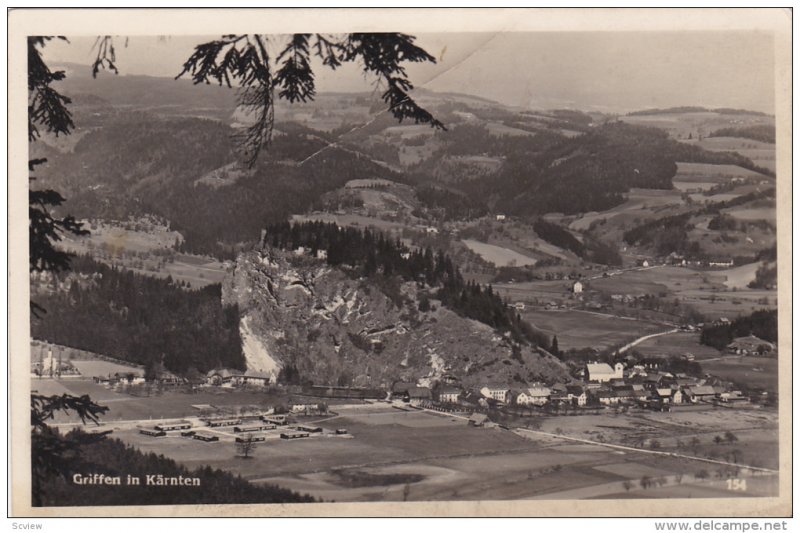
{"x":258,"y":379}
{"x":577,"y":287}
{"x":700,"y":393}
{"x":677,"y":396}
{"x":500,"y":218}
{"x":576,"y":392}
{"x":536,"y":395}
{"x":500,"y":393}
{"x":602,"y":372}
{"x":449,"y":395}
{"x":322,"y":254}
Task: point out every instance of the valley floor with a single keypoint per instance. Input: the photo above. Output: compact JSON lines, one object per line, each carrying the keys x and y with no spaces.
{"x":393,"y":453}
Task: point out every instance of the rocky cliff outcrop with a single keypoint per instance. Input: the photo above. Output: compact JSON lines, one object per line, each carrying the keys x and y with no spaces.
{"x":334,"y":328}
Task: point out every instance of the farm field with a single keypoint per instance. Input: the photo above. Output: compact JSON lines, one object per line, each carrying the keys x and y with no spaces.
{"x":768,"y":213}
{"x":117,"y":239}
{"x":498,"y":255}
{"x":580,"y":329}
{"x":755,"y":429}
{"x":92,"y":368}
{"x":642,"y":202}
{"x":729,"y":303}
{"x":739,"y":277}
{"x":760,"y":153}
{"x":535,"y":291}
{"x":756,"y":372}
{"x":116,"y":246}
{"x":705,"y":172}
{"x":677,"y":344}
{"x":634,"y":282}
{"x":681,"y":125}
{"x":168,"y":404}
{"x":433,"y":457}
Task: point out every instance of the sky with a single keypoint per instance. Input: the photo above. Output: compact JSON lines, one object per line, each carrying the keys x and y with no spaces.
{"x":604,"y":71}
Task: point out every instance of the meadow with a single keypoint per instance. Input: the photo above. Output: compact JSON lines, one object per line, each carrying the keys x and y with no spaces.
{"x":396,"y":455}
{"x":498,"y":255}
{"x":581,"y":329}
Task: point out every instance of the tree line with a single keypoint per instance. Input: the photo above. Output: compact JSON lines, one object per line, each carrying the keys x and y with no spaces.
{"x":371,"y":254}
{"x":141,"y":319}
{"x":112,"y":457}
{"x":762,"y":323}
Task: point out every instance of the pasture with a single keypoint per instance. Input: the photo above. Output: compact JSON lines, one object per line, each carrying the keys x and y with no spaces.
{"x":634,"y":282}
{"x":165,"y":403}
{"x":392,"y":455}
{"x":705,"y":172}
{"x":498,"y":255}
{"x":760,"y":153}
{"x":676,"y":345}
{"x":642,"y":203}
{"x":756,"y":372}
{"x":582,"y":329}
{"x":142,"y":251}
{"x":750,"y":213}
{"x":92,"y":368}
{"x":681,"y":125}
{"x":739,"y":277}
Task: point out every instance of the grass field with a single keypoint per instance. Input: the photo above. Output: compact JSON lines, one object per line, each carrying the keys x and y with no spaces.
{"x":389,"y":453}
{"x":704,"y":172}
{"x":739,"y":277}
{"x":677,"y":344}
{"x":498,"y":255}
{"x":91,"y":368}
{"x":759,"y":372}
{"x":114,"y":245}
{"x":753,"y":213}
{"x":393,"y":455}
{"x":169,"y":404}
{"x":640,"y":202}
{"x":579,"y":329}
{"x":633,"y":282}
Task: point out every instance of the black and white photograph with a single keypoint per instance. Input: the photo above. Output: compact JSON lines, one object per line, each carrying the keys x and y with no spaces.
{"x":526,"y":264}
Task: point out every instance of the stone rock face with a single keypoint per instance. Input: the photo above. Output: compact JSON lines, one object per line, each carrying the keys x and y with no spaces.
{"x":337,"y":329}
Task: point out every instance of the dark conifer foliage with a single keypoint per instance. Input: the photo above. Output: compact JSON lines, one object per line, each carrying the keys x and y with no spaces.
{"x":112,"y":457}
{"x":244,"y":61}
{"x":370,"y":253}
{"x":763,"y":324}
{"x":141,"y":319}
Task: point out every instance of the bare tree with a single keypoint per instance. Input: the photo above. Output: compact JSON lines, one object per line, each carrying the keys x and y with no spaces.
{"x":245,"y":446}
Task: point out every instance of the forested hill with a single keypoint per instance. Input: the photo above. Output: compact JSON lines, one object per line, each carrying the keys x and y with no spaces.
{"x":548,"y":172}
{"x":141,"y":319}
{"x":139,"y":163}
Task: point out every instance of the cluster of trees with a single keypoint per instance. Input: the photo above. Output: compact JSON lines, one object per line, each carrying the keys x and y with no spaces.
{"x":763,"y":133}
{"x":766,"y":277}
{"x":368,"y":251}
{"x":112,"y":457}
{"x":454,"y":206}
{"x":666,"y":235}
{"x":141,"y":319}
{"x":592,"y":249}
{"x":558,"y":236}
{"x":371,"y":254}
{"x":480,"y":303}
{"x":723,"y":222}
{"x":715,"y":207}
{"x":762,"y":323}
